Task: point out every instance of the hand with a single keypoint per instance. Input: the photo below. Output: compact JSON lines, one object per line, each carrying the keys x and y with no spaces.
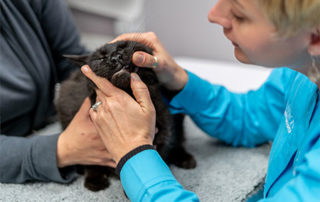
{"x":169,"y":73}
{"x":81,"y":144}
{"x":122,"y":122}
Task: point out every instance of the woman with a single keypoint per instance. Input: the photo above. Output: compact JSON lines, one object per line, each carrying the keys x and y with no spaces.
{"x":285,"y":109}
{"x":34,"y":37}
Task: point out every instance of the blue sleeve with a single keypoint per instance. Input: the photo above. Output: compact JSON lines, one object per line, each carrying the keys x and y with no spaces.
{"x":238,"y":119}
{"x":146,"y":177}
{"x":305,"y":186}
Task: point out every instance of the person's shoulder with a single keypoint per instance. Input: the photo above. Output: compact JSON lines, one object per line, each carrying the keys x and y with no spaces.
{"x":282,"y":78}
{"x":40,"y":6}
{"x":284,"y":73}
{"x":302,"y":90}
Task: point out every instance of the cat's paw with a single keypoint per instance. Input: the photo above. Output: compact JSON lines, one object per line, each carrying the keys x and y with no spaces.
{"x":96,"y":184}
{"x":181,"y":158}
{"x":187,"y":162}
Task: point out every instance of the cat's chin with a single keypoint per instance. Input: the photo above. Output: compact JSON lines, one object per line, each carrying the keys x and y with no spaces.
{"x":121,"y":79}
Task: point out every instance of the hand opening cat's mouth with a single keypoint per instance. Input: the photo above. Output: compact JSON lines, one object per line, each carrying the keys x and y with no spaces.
{"x":121,"y":78}
{"x":126,"y":69}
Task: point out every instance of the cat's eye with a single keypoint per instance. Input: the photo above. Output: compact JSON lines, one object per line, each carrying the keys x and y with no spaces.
{"x":113,"y":60}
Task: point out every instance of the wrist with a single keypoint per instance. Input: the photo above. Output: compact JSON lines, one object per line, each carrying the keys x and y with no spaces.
{"x":179,"y":80}
{"x":62,"y":153}
{"x":130,"y":154}
{"x":118,"y":155}
{"x":182,"y":78}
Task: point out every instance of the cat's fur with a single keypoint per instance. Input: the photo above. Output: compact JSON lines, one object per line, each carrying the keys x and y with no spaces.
{"x":113,"y":61}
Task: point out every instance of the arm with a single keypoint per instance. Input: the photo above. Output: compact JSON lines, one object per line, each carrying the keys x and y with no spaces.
{"x":146,"y":177}
{"x":50,"y":158}
{"x":305,"y":186}
{"x":26,"y":159}
{"x":239,"y":119}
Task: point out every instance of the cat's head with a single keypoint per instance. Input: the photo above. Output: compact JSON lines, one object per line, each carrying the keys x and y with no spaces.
{"x":114,"y":62}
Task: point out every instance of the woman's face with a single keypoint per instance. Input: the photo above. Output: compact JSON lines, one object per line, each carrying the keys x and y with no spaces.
{"x":255,"y":39}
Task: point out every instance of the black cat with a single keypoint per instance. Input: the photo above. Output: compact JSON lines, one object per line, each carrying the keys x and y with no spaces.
{"x":113,"y":61}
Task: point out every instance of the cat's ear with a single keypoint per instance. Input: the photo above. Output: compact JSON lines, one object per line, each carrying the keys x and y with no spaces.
{"x":78,"y":59}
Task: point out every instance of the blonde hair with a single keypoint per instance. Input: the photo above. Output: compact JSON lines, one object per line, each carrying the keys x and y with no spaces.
{"x":292,"y":16}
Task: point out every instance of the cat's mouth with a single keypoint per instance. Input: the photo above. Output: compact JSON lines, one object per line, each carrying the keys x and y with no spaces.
{"x":131,"y":68}
{"x":126,"y":69}
{"x":121,"y":78}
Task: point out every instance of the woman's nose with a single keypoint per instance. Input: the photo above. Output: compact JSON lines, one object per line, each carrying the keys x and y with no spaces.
{"x":220,"y":14}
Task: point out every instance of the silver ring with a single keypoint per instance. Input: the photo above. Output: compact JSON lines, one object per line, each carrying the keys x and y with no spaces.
{"x":95,"y":106}
{"x":156,"y":63}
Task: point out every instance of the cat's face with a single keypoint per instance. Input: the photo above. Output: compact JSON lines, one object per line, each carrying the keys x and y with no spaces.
{"x":114,"y":62}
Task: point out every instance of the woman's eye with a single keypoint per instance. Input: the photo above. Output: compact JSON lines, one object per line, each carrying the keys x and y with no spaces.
{"x":239,"y":18}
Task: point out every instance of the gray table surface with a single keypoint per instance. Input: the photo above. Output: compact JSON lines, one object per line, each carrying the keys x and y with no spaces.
{"x":223,"y":173}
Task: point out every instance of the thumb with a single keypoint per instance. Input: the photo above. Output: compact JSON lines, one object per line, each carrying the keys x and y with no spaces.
{"x":142,"y":59}
{"x":141,"y":92}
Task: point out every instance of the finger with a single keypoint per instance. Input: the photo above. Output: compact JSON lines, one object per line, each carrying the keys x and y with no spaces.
{"x":103,"y":84}
{"x":103,"y":148}
{"x":97,"y":124}
{"x":148,"y":38}
{"x":141,"y":92}
{"x":102,"y":162}
{"x":110,"y":163}
{"x":99,"y":98}
{"x":104,"y":155}
{"x":129,"y":36}
{"x":143,"y":59}
{"x":104,"y":122}
{"x":100,"y":95}
{"x":85,"y":107}
{"x":93,"y":116}
{"x":98,"y":116}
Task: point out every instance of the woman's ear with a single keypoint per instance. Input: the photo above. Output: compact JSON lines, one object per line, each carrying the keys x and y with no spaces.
{"x":314,"y":46}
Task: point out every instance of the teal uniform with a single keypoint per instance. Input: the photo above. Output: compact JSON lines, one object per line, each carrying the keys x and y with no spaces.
{"x":285,"y":110}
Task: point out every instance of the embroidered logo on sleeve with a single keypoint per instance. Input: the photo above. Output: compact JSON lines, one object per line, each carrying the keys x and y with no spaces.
{"x":289,"y":119}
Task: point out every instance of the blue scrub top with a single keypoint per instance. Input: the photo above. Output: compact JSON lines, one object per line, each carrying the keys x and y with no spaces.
{"x":284,"y":110}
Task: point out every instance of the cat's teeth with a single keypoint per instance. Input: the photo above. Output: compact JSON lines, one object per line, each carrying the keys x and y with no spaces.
{"x":126,"y":67}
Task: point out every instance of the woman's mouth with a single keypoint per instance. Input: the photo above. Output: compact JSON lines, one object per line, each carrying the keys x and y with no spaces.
{"x":236,"y":45}
{"x":226,"y":34}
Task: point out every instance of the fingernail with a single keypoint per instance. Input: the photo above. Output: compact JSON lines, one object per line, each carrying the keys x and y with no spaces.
{"x":85,"y":68}
{"x":135,"y":77}
{"x":140,"y":58}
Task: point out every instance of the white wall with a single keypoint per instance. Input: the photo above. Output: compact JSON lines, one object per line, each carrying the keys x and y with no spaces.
{"x":183,"y":28}
{"x":181,"y":25}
